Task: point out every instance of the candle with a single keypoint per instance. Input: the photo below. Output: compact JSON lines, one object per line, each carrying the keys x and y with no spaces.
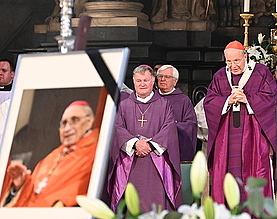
{"x":247,"y":5}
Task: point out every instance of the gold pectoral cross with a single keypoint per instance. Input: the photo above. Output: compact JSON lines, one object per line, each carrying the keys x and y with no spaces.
{"x":142,"y":120}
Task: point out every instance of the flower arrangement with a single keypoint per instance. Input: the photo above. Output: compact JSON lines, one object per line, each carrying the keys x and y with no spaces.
{"x":257,"y":204}
{"x":262,"y":52}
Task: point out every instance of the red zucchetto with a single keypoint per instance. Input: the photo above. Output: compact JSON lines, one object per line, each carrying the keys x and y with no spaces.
{"x":79,"y":102}
{"x":147,"y":66}
{"x":235,"y":45}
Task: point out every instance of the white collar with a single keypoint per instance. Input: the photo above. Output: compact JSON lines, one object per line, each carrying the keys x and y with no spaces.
{"x":146,"y":99}
{"x":167,"y":92}
{"x":249,"y":67}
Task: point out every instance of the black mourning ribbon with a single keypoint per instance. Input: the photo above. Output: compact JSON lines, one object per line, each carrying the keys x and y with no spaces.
{"x":105,"y":74}
{"x":236,"y":119}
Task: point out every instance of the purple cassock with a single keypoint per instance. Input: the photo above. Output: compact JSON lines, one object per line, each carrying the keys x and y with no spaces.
{"x":242,"y":151}
{"x":156,"y":178}
{"x":186,"y":121}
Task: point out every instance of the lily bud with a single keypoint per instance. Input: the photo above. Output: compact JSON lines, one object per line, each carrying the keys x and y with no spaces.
{"x":198,"y":174}
{"x":209,"y":208}
{"x":231,"y":191}
{"x":132,"y":199}
{"x":95,"y":207}
{"x":260,"y":38}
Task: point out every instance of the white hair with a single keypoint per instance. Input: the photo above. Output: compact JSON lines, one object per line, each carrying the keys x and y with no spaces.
{"x":175,"y":71}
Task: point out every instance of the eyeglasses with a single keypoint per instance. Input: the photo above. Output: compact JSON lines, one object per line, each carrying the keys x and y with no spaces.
{"x":235,"y":62}
{"x":72,"y":121}
{"x":167,"y":77}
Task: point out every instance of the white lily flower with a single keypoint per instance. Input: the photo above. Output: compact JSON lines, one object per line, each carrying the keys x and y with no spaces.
{"x":183,"y":209}
{"x":258,"y":54}
{"x":231,"y":191}
{"x":260,"y":38}
{"x":221,"y":212}
{"x":198,"y":174}
{"x":243,"y":215}
{"x":95,"y":207}
{"x":262,"y":54}
{"x":191,"y":212}
{"x":153,"y":215}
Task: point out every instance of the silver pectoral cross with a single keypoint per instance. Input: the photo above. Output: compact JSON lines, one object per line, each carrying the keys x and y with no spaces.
{"x":41,"y":185}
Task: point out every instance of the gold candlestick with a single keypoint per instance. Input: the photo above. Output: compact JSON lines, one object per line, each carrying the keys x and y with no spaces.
{"x":274,"y":14}
{"x":273,"y":35}
{"x":273,"y":40}
{"x":246,"y":24}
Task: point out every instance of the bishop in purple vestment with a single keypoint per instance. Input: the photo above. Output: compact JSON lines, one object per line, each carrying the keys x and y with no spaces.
{"x":145,"y":149}
{"x":240,"y":108}
{"x":183,"y":111}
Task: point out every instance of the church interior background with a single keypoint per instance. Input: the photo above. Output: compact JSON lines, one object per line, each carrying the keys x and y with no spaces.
{"x":190,"y":35}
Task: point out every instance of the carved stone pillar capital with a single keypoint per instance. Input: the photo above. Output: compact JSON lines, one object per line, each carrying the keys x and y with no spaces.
{"x":112,"y":9}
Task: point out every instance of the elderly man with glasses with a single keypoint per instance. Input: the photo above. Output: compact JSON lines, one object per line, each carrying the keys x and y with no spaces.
{"x":184,"y":114}
{"x":240,"y":108}
{"x":65,"y":172}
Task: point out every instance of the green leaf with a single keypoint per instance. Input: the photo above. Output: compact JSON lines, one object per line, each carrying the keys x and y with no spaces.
{"x":255,"y":202}
{"x":209,"y":208}
{"x":173,"y":215}
{"x":237,"y":210}
{"x":120,"y":209}
{"x":265,"y":216}
{"x":256,"y":182}
{"x":130,"y":216}
{"x":269,"y":206}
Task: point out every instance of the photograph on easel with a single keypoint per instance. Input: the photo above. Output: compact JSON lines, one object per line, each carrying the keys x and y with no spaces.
{"x":58,"y":129}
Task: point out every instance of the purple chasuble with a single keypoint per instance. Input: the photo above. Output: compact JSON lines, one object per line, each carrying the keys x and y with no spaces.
{"x":186,"y":121}
{"x":156,"y":178}
{"x":123,"y":95}
{"x":242,"y":151}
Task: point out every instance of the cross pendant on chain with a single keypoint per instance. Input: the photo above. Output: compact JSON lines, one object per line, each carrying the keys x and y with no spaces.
{"x":142,"y":120}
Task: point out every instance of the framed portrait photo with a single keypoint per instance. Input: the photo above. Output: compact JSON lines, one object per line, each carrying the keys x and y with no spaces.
{"x":44,"y":86}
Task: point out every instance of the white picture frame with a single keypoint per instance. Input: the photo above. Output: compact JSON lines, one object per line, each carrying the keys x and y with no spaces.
{"x":41,"y":72}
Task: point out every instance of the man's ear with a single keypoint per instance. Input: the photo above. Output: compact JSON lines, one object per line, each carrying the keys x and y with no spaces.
{"x":12,"y":74}
{"x":91,"y":121}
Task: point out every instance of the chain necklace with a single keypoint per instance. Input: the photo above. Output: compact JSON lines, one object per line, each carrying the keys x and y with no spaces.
{"x":142,"y":120}
{"x":43,"y":183}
